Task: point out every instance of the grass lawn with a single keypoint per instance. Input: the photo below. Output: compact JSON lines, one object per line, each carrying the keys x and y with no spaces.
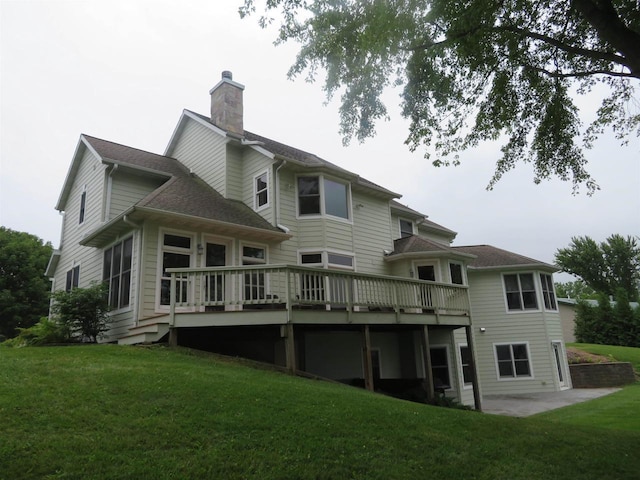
{"x":619,"y":411}
{"x":133,"y":412}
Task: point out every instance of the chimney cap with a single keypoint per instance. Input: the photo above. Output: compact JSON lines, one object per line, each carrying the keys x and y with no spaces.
{"x":227,"y":74}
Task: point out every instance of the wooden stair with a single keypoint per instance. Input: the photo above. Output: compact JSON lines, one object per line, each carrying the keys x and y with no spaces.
{"x":147,"y":331}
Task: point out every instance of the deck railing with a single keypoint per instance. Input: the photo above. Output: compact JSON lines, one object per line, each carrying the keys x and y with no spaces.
{"x":289,"y":287}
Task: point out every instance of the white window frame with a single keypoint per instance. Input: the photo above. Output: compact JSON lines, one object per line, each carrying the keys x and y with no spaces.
{"x":75,"y":277}
{"x":465,"y":385}
{"x":548,"y":293}
{"x":254,"y":261}
{"x":82,"y":213}
{"x":410,"y":222}
{"x":515,"y":377}
{"x":448,"y":356}
{"x":535,"y":287}
{"x":256,"y":193}
{"x":426,"y":263}
{"x":321,"y":189}
{"x":167,"y":248}
{"x":104,"y":251}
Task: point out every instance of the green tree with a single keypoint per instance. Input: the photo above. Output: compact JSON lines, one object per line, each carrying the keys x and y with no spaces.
{"x":605,"y":266}
{"x":474,"y":70}
{"x":84,"y":311}
{"x":576,"y":290}
{"x":24,"y":290}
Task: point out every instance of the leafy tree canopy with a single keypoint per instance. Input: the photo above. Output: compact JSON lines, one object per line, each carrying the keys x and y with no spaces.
{"x":605,"y":267}
{"x":474,"y":70}
{"x":577,"y":290}
{"x":24,"y":290}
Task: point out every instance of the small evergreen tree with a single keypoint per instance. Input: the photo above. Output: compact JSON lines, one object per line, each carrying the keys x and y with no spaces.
{"x":83,"y":310}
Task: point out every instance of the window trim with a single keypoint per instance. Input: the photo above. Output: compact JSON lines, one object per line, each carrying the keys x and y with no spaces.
{"x":435,"y":263}
{"x":267,"y":190}
{"x":321,"y":193}
{"x":75,"y":277}
{"x":324,"y":255}
{"x":461,"y":365}
{"x":551,"y":293}
{"x":168,"y":248}
{"x":448,"y":357}
{"x":535,"y":287}
{"x":121,"y":242}
{"x":411,"y":222}
{"x":500,"y":378}
{"x":82,"y":215}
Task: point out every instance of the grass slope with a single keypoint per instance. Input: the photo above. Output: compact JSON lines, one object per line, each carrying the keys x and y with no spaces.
{"x":126,"y":412}
{"x":620,"y":411}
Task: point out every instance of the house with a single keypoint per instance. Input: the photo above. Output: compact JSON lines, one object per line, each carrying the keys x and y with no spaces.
{"x":239,"y":244}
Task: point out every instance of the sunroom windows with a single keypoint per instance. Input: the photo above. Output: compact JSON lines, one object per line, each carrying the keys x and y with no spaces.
{"x":116,"y":273}
{"x":318,"y":195}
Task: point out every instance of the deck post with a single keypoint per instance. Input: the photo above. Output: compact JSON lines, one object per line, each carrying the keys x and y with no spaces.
{"x":477,"y":397}
{"x":367,"y":364}
{"x":290,"y":348}
{"x":426,"y":352}
{"x":173,"y":337}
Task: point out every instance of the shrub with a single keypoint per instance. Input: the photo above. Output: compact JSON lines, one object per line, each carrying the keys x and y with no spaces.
{"x":84,"y":311}
{"x":44,"y":332}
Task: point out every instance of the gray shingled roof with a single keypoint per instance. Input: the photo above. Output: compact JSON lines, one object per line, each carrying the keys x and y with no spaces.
{"x":183,"y":193}
{"x":492,"y":257}
{"x":417,"y":244}
{"x":308,"y":159}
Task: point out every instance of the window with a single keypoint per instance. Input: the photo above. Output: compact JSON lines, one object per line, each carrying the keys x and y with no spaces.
{"x":72,"y":278}
{"x":440,"y":367}
{"x":465,"y":362}
{"x":116,"y":273}
{"x":513,"y":360}
{"x":312,"y":189}
{"x":547,"y":292}
{"x":406,"y":228}
{"x":339,"y":261}
{"x":456,"y":273}
{"x":254,"y":282}
{"x":320,"y":287}
{"x":521,"y":291}
{"x":83,"y":204}
{"x":176,"y":253}
{"x":261,"y":191}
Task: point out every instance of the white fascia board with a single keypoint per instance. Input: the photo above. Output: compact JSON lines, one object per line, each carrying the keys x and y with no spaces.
{"x":73,"y":169}
{"x":545,"y":267}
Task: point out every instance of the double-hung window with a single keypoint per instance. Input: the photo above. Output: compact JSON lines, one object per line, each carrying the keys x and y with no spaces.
{"x":548,"y":294}
{"x":465,"y":363}
{"x":513,"y":360}
{"x":83,"y":205}
{"x":318,"y":195}
{"x":116,"y":273}
{"x":520,"y":290}
{"x":261,"y":191}
{"x":455,"y":270}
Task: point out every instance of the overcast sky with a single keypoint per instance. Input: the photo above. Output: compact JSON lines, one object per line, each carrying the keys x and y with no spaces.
{"x":124,"y":70}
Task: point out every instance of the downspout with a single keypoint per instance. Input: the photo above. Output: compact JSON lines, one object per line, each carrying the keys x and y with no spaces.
{"x":276,"y":198}
{"x":107,"y":202}
{"x":137,"y":226}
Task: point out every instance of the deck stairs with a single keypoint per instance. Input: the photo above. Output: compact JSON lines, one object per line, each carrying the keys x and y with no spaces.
{"x":147,"y":331}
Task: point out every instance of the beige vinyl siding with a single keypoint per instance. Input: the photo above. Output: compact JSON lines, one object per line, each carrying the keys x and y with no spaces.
{"x":488,"y":310}
{"x":287,"y":251}
{"x":92,"y":174}
{"x":204,"y":152}
{"x":127,"y":190}
{"x":255,"y":163}
{"x":149,"y":270}
{"x":371,"y":233}
{"x":234,"y":172}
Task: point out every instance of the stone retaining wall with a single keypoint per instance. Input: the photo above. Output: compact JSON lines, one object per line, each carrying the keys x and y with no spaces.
{"x":601,"y":375}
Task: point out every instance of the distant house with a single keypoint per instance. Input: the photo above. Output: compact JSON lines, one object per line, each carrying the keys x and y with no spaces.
{"x":236,"y":243}
{"x":567,"y":308}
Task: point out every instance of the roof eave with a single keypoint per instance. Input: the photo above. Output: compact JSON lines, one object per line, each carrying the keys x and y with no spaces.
{"x":524,"y":266}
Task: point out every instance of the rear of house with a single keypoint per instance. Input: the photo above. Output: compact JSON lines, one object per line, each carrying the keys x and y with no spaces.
{"x":240,"y":244}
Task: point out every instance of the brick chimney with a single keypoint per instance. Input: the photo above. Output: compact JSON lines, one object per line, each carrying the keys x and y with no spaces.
{"x":226,"y":104}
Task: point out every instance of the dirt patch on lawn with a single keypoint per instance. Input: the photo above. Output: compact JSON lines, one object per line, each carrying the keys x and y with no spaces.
{"x":575,"y":355}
